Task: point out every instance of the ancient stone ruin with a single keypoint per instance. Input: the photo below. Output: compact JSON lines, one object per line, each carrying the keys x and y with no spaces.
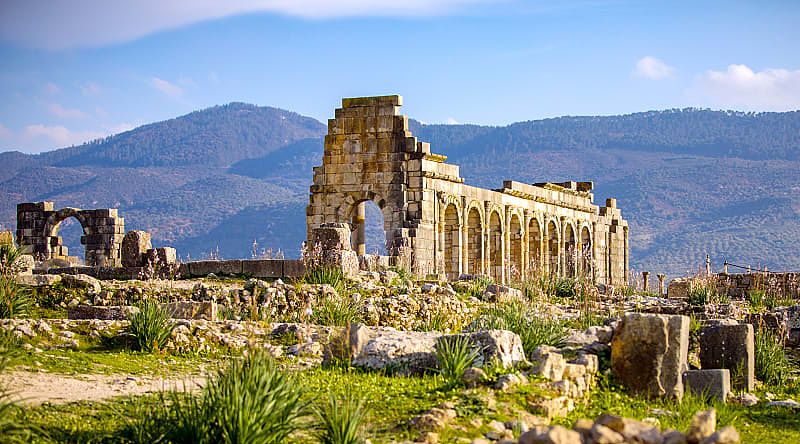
{"x":103,"y":230}
{"x":447,"y":228}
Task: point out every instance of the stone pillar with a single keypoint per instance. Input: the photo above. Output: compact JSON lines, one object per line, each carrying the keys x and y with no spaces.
{"x":359,"y":220}
{"x":661,"y":278}
{"x":645,"y":281}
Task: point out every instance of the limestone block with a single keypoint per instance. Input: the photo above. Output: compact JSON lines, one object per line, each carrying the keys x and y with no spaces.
{"x":714,"y":383}
{"x":649,"y":353}
{"x":263,"y":268}
{"x":294,"y":268}
{"x":204,"y":268}
{"x":38,"y":280}
{"x":134,"y":246}
{"x":730,"y":347}
{"x":501,"y":345}
{"x":192,"y":310}
{"x":82,"y":281}
{"x":678,"y":288}
{"x":331,"y":237}
{"x":120,"y":312}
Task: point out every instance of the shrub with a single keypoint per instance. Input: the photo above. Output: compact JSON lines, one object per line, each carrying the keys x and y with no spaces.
{"x":454,"y":355}
{"x":14,"y":299}
{"x":150,"y":326}
{"x":336,"y":310}
{"x":251,"y":401}
{"x":772,"y":365}
{"x":341,"y":421}
{"x":532,"y":328}
{"x":565,"y":288}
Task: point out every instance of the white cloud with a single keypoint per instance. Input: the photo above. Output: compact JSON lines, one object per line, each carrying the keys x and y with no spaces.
{"x":652,"y":68}
{"x":741,"y":87}
{"x":38,"y":137}
{"x":61,"y":24}
{"x":60,"y":135}
{"x":65,"y":113}
{"x":451,"y":121}
{"x":166,"y":87}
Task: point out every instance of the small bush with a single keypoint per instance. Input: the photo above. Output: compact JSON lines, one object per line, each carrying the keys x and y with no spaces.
{"x":150,"y":326}
{"x":565,"y":288}
{"x":14,"y":299}
{"x":341,"y":421}
{"x":532,"y":328}
{"x":454,"y":355}
{"x":251,"y":401}
{"x":772,"y":365}
{"x":336,"y":310}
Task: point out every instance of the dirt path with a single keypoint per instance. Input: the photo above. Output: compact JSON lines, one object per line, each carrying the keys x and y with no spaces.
{"x":34,"y":388}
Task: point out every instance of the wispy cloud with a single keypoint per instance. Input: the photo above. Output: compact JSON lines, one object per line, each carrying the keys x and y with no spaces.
{"x":739,"y":86}
{"x":649,"y":67}
{"x":90,"y":23}
{"x":38,"y":137}
{"x":166,"y":87}
{"x":65,"y":113}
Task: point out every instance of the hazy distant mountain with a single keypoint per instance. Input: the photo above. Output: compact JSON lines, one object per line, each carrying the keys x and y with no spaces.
{"x":690,"y":181}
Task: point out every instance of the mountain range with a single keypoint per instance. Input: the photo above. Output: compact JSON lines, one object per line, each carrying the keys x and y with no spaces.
{"x":690,"y":182}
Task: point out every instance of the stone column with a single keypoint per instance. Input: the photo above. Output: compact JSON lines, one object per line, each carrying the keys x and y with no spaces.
{"x":645,"y":281}
{"x":661,"y":278}
{"x":359,"y":220}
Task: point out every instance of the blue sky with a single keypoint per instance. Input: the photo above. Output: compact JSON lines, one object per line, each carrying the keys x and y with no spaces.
{"x":74,"y":71}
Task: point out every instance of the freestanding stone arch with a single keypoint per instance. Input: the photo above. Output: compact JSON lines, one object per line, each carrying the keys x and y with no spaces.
{"x":37,"y":232}
{"x":446,"y":227}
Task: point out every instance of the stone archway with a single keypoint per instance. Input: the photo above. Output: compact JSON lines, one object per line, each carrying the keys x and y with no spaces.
{"x":103,"y":230}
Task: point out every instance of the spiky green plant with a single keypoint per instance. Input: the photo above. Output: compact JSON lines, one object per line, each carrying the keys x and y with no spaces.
{"x":533,"y":329}
{"x":325,"y":275}
{"x":336,"y":310}
{"x":150,"y":326}
{"x":341,"y":420}
{"x":250,"y":401}
{"x":772,"y":365}
{"x":454,"y":355}
{"x":14,"y":299}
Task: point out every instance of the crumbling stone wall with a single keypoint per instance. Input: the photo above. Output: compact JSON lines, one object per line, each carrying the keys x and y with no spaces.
{"x":103,"y":230}
{"x":737,"y":286}
{"x":446,"y":227}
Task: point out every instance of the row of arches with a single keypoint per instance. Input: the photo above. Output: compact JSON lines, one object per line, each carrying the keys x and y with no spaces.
{"x":513,"y":244}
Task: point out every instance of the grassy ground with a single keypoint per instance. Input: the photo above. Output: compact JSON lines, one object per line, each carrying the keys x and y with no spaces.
{"x":391,"y":402}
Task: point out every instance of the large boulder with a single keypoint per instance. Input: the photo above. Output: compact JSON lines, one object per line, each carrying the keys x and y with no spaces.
{"x":81,"y":281}
{"x":412,"y":352}
{"x":649,"y":353}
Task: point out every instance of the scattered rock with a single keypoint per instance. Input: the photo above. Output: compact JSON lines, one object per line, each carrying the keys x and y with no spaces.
{"x":703,"y":425}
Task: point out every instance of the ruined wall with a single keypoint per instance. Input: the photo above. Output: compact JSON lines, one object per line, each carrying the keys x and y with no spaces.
{"x":37,"y":233}
{"x":449,"y":228}
{"x":781,"y":285}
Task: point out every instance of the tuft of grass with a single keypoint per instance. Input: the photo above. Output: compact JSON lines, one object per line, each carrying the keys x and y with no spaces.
{"x":151,"y":326}
{"x":772,"y":365}
{"x":11,"y":430}
{"x":564,"y":288}
{"x":532,"y":328}
{"x":325,"y":275}
{"x":250,"y":401}
{"x":341,"y":420}
{"x":454,"y":355}
{"x":336,"y":311}
{"x":15,"y":300}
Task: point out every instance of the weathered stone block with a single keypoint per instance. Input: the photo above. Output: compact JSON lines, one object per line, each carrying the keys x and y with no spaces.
{"x":715,"y":383}
{"x":649,"y":353}
{"x":134,"y":247}
{"x":678,"y":288}
{"x":293,"y":268}
{"x":38,"y":280}
{"x":104,"y":313}
{"x":82,"y":281}
{"x":263,"y":268}
{"x":204,"y":268}
{"x":331,"y":237}
{"x":192,"y":310}
{"x":730,"y":347}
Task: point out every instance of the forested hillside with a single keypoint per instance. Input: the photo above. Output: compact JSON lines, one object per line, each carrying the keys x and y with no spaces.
{"x":690,"y":181}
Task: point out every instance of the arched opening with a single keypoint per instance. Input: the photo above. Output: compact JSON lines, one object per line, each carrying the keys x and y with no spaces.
{"x":586,"y":259}
{"x":369,"y":229}
{"x":495,"y":247}
{"x":570,"y":251}
{"x":474,"y":245}
{"x":535,"y":265}
{"x":65,"y":241}
{"x":451,"y":243}
{"x":552,"y":248}
{"x":515,"y":250}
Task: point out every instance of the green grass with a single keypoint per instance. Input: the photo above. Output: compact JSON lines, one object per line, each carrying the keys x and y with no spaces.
{"x":341,"y":420}
{"x":772,"y":365}
{"x":98,"y":360}
{"x":533,"y":329}
{"x":454,"y":354}
{"x":336,"y":310}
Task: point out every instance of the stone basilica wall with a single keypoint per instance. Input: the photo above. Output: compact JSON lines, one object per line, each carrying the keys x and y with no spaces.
{"x":448,"y":228}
